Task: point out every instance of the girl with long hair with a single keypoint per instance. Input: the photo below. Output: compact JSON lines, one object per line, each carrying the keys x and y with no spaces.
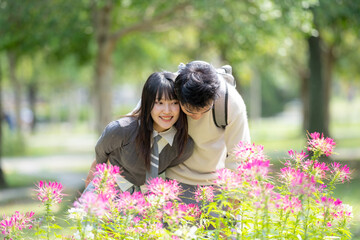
{"x":127,"y":141}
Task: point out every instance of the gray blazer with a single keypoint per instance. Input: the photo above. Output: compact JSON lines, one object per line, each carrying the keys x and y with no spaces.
{"x":117,"y":144}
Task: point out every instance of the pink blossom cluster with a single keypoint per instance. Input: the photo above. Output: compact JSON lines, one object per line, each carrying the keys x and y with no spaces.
{"x":298,"y":182}
{"x":317,"y":143}
{"x":319,"y":170}
{"x":49,"y":192}
{"x":335,"y":209}
{"x":167,"y":189}
{"x":288,"y":203}
{"x":174,"y":212}
{"x":92,"y":204}
{"x":298,"y":158}
{"x":204,"y":194}
{"x":135,"y":203}
{"x":105,"y":179}
{"x":228,"y":179}
{"x":10,"y":225}
{"x":341,"y":172}
{"x":248,"y":201}
{"x":246,"y":152}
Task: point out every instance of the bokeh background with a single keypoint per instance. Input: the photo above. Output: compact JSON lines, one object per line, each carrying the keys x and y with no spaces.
{"x":67,"y":68}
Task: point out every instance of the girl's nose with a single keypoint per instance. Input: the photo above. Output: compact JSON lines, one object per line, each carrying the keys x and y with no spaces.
{"x":167,"y":108}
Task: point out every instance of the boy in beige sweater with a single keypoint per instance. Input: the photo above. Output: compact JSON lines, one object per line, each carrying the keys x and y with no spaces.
{"x":198,"y":87}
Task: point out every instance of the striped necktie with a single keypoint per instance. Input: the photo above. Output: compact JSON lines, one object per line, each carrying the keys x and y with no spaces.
{"x":154,"y":160}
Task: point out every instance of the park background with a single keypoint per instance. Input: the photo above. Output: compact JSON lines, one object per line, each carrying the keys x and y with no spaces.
{"x":67,"y":68}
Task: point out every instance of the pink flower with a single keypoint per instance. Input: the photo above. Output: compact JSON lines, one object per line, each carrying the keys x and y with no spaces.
{"x":93,"y":204}
{"x":298,"y":182}
{"x":228,"y":179}
{"x":246,"y":152}
{"x":50,"y":192}
{"x":319,"y":144}
{"x":204,"y":193}
{"x":14,"y":224}
{"x":106,"y":168}
{"x":105,"y":179}
{"x":297,"y":157}
{"x":132,"y":202}
{"x":255,"y":168}
{"x":290,"y":204}
{"x":329,"y":202}
{"x":166,"y":189}
{"x":342,"y":173}
{"x":319,"y":170}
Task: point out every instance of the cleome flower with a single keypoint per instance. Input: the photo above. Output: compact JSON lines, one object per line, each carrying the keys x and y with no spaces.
{"x":246,"y":152}
{"x":92,"y":204}
{"x":340,"y":173}
{"x":49,"y":192}
{"x":12,"y":225}
{"x":319,"y":144}
{"x":204,"y":193}
{"x":165,"y":189}
{"x":105,"y":179}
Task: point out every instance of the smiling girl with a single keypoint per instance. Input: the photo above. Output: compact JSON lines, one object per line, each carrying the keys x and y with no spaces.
{"x":127,"y":141}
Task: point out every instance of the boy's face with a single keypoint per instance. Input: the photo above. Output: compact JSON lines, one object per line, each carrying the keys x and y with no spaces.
{"x":196,"y":113}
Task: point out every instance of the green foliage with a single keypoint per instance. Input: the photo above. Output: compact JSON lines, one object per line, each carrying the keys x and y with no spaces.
{"x":57,"y":28}
{"x":12,"y":143}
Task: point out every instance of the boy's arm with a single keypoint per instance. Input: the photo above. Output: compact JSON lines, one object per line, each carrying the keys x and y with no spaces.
{"x":238,"y":128}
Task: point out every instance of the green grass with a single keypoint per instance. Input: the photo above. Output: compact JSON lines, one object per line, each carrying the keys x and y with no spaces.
{"x":15,"y":180}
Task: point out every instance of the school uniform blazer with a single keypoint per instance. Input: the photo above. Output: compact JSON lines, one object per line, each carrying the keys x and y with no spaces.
{"x":117,"y":144}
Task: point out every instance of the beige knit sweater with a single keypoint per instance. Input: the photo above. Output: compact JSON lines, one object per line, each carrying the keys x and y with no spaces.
{"x":212,"y":144}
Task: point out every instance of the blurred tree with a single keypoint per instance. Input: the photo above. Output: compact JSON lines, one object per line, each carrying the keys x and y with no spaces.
{"x":113,"y":20}
{"x":2,"y":177}
{"x":247,"y":35}
{"x":331,"y":20}
{"x":57,"y":28}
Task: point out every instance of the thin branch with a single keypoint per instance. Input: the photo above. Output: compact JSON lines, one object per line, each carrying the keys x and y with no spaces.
{"x":148,"y":24}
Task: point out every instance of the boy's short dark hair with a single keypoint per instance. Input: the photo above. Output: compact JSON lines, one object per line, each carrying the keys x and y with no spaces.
{"x":197,"y":84}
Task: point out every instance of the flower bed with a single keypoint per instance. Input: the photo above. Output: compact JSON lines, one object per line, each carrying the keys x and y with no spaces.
{"x":249,"y":203}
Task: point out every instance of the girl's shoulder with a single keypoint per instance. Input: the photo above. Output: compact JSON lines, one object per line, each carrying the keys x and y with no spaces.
{"x":122,"y":127}
{"x":127,"y":122}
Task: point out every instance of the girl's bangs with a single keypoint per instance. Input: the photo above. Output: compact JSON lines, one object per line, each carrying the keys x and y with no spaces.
{"x":167,"y":92}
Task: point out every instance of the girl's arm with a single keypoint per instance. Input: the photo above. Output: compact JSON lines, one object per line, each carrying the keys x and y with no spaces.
{"x":90,"y":175}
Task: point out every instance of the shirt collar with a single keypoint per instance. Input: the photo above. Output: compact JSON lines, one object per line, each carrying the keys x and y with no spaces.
{"x":168,"y":135}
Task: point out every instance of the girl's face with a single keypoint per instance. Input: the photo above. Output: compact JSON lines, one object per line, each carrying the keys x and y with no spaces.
{"x":165,"y":113}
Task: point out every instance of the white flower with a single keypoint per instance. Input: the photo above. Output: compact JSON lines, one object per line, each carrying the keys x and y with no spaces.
{"x":88,"y":232}
{"x":77,"y":235}
{"x":76,"y":213}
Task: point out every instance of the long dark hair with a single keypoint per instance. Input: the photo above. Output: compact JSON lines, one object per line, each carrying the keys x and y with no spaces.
{"x":160,"y":84}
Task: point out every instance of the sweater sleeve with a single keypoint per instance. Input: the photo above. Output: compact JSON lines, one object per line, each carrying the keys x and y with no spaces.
{"x":112,"y":137}
{"x":238,"y":128}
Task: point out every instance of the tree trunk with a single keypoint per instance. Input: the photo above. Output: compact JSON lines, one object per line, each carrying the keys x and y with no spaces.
{"x":103,"y":67}
{"x":2,"y":177}
{"x":255,"y":97}
{"x":305,"y":99}
{"x":329,"y":60}
{"x":32,"y":92}
{"x":316,"y":88}
{"x":17,"y":90}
